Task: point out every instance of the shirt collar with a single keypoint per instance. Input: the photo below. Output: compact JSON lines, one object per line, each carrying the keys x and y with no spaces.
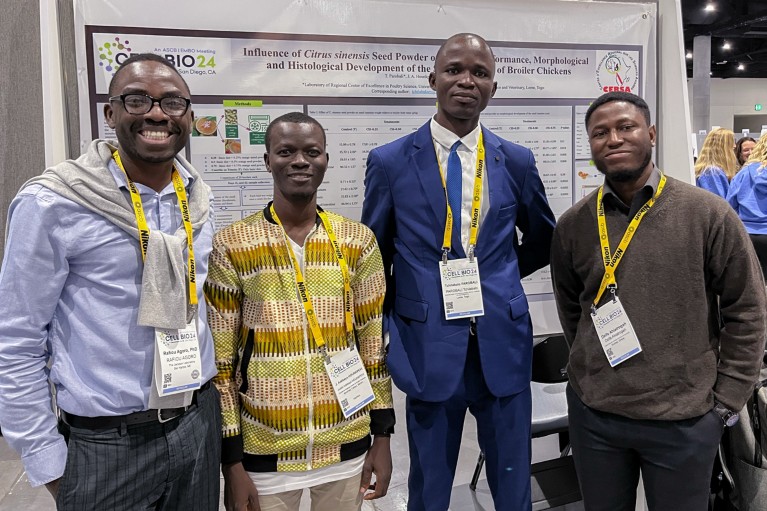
{"x":447,"y":138}
{"x":647,"y":191}
{"x":269,"y":218}
{"x":122,"y":181}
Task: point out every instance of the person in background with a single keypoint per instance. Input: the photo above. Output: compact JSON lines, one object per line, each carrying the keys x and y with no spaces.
{"x":748,"y":196}
{"x":743,"y":149}
{"x":716,"y":163}
{"x":271,"y":274}
{"x":94,"y":282}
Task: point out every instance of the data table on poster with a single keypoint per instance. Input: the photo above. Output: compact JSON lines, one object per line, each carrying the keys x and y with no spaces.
{"x":547,"y":132}
{"x":582,"y":148}
{"x":352,"y":131}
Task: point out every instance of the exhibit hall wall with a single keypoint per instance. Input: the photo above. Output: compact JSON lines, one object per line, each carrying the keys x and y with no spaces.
{"x":21,"y":100}
{"x":736,"y":96}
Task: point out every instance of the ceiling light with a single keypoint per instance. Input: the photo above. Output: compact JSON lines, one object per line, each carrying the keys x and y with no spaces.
{"x":741,"y":67}
{"x":709,"y":8}
{"x":726,"y":46}
{"x":689,"y":55}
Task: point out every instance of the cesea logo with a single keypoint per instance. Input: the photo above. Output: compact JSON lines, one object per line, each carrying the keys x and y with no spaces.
{"x":618,"y":72}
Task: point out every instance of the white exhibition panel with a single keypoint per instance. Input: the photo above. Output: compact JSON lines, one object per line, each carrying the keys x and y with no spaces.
{"x":361,"y":68}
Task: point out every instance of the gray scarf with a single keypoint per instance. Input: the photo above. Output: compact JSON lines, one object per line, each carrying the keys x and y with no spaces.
{"x":88,"y":182}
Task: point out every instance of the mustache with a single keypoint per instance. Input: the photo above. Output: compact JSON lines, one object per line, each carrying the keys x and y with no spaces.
{"x":626,"y":175}
{"x":149,"y":124}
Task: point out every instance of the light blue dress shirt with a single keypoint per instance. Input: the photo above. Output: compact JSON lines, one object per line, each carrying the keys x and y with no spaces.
{"x":69,"y":294}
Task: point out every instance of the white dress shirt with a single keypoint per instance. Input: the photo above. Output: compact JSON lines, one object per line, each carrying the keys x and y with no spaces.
{"x":443,"y":140}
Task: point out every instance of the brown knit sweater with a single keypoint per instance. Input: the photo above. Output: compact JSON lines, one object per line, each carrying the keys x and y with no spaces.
{"x":689,"y":251}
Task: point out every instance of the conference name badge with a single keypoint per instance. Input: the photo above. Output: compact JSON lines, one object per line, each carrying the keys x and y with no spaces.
{"x":616,"y":334}
{"x":350,"y":381}
{"x":461,"y":289}
{"x":177,"y":365}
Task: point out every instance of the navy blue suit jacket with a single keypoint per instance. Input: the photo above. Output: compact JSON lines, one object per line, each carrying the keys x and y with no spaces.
{"x":405,"y":206}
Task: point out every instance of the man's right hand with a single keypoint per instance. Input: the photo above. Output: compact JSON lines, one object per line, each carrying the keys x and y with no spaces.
{"x":240,"y":493}
{"x":53,"y":487}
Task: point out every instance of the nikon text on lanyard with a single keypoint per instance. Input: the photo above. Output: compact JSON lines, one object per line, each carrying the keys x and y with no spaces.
{"x":143,"y":228}
{"x":345,"y":369}
{"x":304,"y":293}
{"x":616,"y":333}
{"x":611,"y":262}
{"x":177,"y":366}
{"x":475,"y":203}
{"x":461,"y":287}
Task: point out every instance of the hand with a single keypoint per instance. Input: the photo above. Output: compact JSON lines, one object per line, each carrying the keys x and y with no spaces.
{"x":378,"y":462}
{"x":240,"y":493}
{"x":53,"y":487}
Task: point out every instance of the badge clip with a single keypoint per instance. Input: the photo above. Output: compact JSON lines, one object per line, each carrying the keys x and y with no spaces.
{"x":444,"y":256}
{"x":324,"y":353}
{"x":471,"y":253}
{"x":613,"y":288}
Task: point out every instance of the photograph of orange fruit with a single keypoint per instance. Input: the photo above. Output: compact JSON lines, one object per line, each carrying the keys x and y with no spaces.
{"x":206,"y":126}
{"x":232,"y":146}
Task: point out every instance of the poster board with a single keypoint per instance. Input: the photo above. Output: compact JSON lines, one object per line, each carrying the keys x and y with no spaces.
{"x":361,"y":68}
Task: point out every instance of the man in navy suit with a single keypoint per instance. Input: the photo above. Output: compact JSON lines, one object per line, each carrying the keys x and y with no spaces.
{"x":457,"y":317}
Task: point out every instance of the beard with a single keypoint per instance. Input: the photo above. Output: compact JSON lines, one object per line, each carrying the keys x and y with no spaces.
{"x":624,"y":175}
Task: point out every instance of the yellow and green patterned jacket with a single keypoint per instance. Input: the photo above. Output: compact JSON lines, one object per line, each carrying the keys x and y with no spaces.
{"x":279,"y":409}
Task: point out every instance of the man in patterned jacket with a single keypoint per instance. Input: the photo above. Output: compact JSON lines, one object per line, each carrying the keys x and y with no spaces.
{"x":296,"y":296}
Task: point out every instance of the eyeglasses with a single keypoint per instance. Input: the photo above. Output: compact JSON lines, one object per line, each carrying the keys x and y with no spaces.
{"x":139,"y":104}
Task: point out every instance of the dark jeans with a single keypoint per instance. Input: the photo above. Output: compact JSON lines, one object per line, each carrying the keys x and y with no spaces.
{"x":760,"y":247}
{"x":675,"y":458}
{"x":152,"y":466}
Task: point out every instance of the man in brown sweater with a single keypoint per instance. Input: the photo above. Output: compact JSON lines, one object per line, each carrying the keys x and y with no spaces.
{"x":661,"y":299}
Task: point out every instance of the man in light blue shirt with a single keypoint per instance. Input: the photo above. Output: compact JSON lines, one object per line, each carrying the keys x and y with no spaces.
{"x":95,"y":273}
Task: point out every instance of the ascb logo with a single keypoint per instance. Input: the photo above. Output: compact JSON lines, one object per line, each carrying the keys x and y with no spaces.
{"x":618,"y":72}
{"x":110,"y":54}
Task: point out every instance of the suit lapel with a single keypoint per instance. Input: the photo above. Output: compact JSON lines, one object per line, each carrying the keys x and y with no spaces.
{"x":427,"y":170}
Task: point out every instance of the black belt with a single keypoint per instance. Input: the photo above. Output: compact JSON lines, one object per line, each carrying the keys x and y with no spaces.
{"x":116,"y":421}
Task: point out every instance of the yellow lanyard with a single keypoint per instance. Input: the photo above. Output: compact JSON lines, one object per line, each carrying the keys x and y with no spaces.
{"x":143,"y":228}
{"x":303,"y":293}
{"x":475,"y":201}
{"x":611,"y":263}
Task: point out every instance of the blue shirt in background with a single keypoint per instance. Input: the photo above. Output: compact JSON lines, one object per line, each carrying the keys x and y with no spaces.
{"x":714,"y":180}
{"x":748,"y":196}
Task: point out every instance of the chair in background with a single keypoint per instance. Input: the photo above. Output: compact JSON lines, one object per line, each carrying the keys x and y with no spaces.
{"x":553,"y":482}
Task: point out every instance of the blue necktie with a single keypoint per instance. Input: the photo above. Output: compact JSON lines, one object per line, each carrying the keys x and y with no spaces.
{"x":454,"y":184}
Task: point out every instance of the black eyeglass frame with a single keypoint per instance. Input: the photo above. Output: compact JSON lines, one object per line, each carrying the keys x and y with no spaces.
{"x":154,"y":101}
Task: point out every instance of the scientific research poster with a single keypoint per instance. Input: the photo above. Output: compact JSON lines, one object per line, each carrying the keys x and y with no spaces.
{"x":368,"y":88}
